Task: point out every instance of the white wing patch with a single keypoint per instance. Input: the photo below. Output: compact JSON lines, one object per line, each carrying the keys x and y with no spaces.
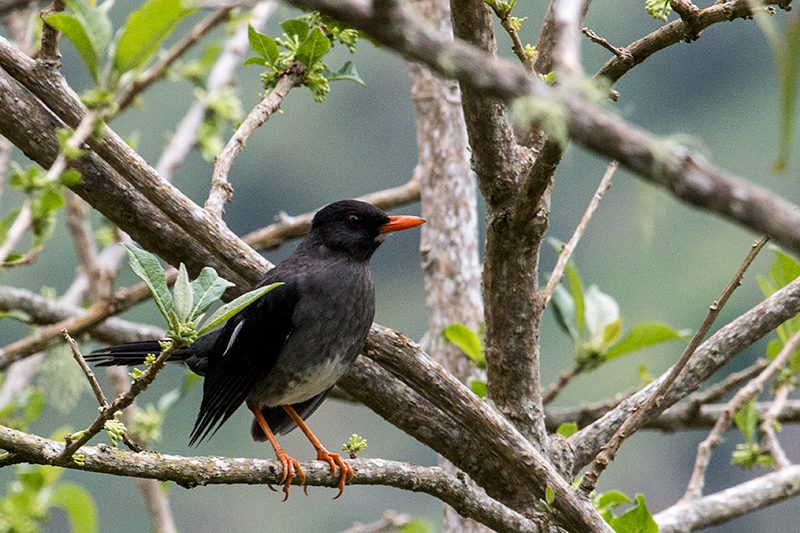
{"x":235,"y":334}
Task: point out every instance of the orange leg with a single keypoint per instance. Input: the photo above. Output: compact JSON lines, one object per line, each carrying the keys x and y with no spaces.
{"x":332,"y":459}
{"x":291,"y":466}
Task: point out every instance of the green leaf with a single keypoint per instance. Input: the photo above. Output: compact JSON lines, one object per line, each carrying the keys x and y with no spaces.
{"x":295,"y":29}
{"x":263,"y":45}
{"x":746,"y":419}
{"x":774,"y":348}
{"x":466,"y":339}
{"x":183,"y":294}
{"x":567,"y":429}
{"x":612,"y":332}
{"x":478,"y":388}
{"x":6,"y":223}
{"x":600,"y":310}
{"x":564,"y":311}
{"x":416,"y":526}
{"x":79,"y":506}
{"x":51,"y":200}
{"x":636,"y":520}
{"x":312,"y":50}
{"x":231,"y":308}
{"x":146,"y":266}
{"x":70,"y":26}
{"x":765,"y":286}
{"x":576,"y":291}
{"x":145,"y":30}
{"x":784,"y":269}
{"x":347,"y":72}
{"x":207,"y":288}
{"x":642,"y":336}
{"x":258,"y":61}
{"x":549,"y":495}
{"x":612,"y":499}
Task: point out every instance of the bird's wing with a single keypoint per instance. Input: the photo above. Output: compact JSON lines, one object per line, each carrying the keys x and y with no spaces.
{"x":246,"y":350}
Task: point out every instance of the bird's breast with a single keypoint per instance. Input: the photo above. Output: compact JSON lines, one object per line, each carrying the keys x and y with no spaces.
{"x":330,"y":326}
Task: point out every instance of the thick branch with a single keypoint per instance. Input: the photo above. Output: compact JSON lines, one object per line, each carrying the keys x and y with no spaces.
{"x":731,"y":503}
{"x":194,"y":471}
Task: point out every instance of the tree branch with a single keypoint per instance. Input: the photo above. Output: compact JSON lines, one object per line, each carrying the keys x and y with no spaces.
{"x":731,"y":503}
{"x":714,"y":353}
{"x":194,"y":471}
{"x":221,"y":190}
{"x":160,"y":68}
{"x":652,"y":406}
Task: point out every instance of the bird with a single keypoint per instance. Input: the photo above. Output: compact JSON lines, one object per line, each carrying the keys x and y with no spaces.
{"x":282,"y":354}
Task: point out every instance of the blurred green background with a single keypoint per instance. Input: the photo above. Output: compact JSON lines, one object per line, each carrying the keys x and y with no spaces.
{"x":661,"y":259}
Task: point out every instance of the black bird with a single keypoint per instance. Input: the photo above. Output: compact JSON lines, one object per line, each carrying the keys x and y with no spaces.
{"x":282,"y":354}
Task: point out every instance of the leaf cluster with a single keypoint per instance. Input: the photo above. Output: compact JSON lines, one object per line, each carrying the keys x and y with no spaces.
{"x":592,"y":320}
{"x":44,"y":197}
{"x":36,"y":489}
{"x":184,"y":309}
{"x":748,"y":455}
{"x":637,"y":519}
{"x":306,"y":39}
{"x":111,"y":58}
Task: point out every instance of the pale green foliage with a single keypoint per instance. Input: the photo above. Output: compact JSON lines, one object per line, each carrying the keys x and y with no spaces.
{"x":786,"y":50}
{"x":306,"y":39}
{"x":25,"y":506}
{"x":354,"y":445}
{"x":108,"y":57}
{"x":592,"y":319}
{"x":185,"y":309}
{"x":658,"y":9}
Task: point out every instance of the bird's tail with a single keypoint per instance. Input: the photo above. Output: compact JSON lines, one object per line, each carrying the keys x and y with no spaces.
{"x":133,"y":353}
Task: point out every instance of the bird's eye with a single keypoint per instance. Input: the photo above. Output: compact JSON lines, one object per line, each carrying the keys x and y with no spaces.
{"x":353,"y":221}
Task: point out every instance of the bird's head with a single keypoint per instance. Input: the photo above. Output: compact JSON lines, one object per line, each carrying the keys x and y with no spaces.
{"x":356,"y":228}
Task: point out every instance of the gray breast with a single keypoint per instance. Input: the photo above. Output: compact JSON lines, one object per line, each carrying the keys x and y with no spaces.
{"x":330,"y":326}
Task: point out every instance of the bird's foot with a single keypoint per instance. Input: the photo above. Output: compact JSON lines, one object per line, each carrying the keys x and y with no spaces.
{"x":291,"y":469}
{"x":334,"y":459}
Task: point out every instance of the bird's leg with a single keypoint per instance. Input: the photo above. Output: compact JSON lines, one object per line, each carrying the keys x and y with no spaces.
{"x":291,"y":466}
{"x":332,"y":459}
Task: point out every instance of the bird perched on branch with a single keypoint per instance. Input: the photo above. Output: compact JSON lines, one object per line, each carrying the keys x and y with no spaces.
{"x":282,"y":354}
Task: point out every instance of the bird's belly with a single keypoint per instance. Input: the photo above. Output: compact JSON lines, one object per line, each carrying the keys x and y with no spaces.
{"x":302,"y":386}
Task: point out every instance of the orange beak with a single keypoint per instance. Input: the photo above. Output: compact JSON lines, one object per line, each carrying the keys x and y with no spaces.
{"x":400,"y":223}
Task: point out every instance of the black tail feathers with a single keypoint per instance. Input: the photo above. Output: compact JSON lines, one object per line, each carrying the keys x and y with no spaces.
{"x":133,"y":353}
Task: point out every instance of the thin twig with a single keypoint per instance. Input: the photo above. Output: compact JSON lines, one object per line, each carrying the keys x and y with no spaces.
{"x":76,"y":354}
{"x":98,"y":392}
{"x":621,"y":53}
{"x":516,"y":44}
{"x":566,"y":251}
{"x":221,"y":75}
{"x":120,"y":301}
{"x":715,"y":392}
{"x":160,"y":67}
{"x":555,"y":388}
{"x":769,"y":426}
{"x":107,"y":413}
{"x":221,"y":190}
{"x":651,"y":405}
{"x":695,"y":488}
{"x":48,"y":52}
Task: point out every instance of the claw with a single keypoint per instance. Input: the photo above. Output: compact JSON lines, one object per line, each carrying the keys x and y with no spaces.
{"x":291,"y":468}
{"x":334,"y":459}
